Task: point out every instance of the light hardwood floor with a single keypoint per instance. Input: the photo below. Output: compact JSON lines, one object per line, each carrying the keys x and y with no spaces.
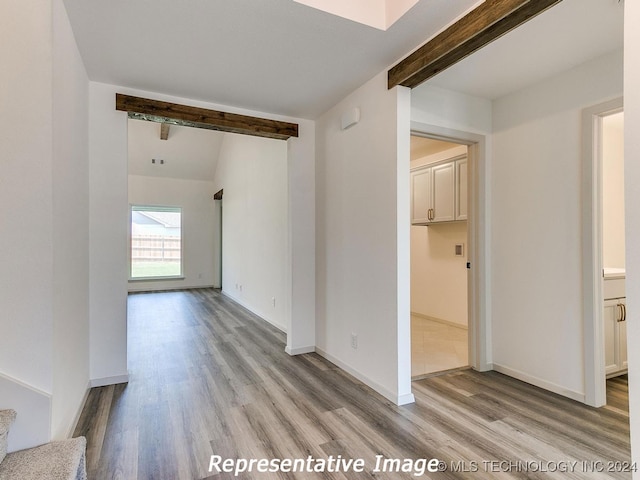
{"x":208,"y":377}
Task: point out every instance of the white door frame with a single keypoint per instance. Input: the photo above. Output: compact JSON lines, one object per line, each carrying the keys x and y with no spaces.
{"x":478,"y":286}
{"x":593,"y":297}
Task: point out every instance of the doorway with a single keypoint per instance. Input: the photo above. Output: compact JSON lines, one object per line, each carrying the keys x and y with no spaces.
{"x":604,"y":252}
{"x":439,"y":237}
{"x":477,"y":284}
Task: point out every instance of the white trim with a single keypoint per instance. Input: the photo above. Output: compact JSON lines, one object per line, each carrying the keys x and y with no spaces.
{"x":479,"y":281}
{"x":440,"y":320}
{"x":396,"y":399}
{"x":538,"y":382}
{"x":592,"y":288}
{"x":104,"y":381}
{"x":300,"y":350}
{"x":25,"y":385}
{"x":155,"y":288}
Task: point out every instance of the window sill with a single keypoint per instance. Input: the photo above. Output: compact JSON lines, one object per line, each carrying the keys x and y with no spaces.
{"x":155,"y":279}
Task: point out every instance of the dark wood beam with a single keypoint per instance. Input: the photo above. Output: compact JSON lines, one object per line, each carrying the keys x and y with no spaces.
{"x":481,"y":26}
{"x":164,"y":131}
{"x":218,"y":195}
{"x":176,"y":114}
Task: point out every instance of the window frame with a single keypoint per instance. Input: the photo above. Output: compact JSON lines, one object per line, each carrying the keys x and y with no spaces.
{"x":157,"y":208}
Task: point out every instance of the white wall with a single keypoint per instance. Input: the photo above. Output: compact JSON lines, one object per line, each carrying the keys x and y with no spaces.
{"x":253,"y":173}
{"x":613,"y":190}
{"x":536,"y":226}
{"x":26,"y":190}
{"x":438,"y":277}
{"x":362,"y":242}
{"x":44,"y":188}
{"x":70,"y":226}
{"x":198,"y":230}
{"x":632,"y":213}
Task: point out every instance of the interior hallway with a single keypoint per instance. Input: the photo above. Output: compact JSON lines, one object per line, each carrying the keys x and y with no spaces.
{"x":208,"y":377}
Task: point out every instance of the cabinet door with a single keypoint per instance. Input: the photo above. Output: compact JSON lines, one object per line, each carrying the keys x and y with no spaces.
{"x":443,"y":203}
{"x":420,"y":196}
{"x":611,"y":315}
{"x":461,"y":189}
{"x":622,"y":338}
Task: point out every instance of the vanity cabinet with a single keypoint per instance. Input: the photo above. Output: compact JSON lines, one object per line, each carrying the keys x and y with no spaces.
{"x":615,"y":328}
{"x":439,"y":192}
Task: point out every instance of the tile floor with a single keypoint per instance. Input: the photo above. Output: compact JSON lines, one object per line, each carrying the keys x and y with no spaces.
{"x":436,"y":346}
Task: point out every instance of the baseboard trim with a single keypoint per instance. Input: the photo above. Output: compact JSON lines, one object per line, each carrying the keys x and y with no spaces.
{"x":159,"y":288}
{"x":392,"y":397}
{"x":300,"y":350}
{"x":538,"y":382}
{"x":254,"y":311}
{"x":440,"y":320}
{"x":103,"y":382}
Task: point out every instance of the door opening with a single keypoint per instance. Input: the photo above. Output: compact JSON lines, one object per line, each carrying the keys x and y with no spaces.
{"x":439,"y":237}
{"x":605,"y":343}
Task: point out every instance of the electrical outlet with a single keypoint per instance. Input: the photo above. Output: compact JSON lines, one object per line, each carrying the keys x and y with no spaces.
{"x":354,"y":341}
{"x":273,"y":301}
{"x":240,"y":287}
{"x":199,"y":275}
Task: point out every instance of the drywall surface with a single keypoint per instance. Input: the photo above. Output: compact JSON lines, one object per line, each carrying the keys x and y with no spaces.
{"x":445,"y":108}
{"x":195,"y":198}
{"x":70,"y":226}
{"x":359,"y":261}
{"x":26,"y":190}
{"x":252,"y":172}
{"x":632,"y":213}
{"x":613,"y":191}
{"x":536,"y":227}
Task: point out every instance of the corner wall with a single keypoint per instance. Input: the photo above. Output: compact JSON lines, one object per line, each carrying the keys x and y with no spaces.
{"x":252,"y":171}
{"x":44,"y":225}
{"x":536,"y":225}
{"x":70,"y":226}
{"x":362,"y":261}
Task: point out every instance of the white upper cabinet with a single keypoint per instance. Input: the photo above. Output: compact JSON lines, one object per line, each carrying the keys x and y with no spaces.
{"x":420,"y":196}
{"x":439,"y":192}
{"x":444,"y":180}
{"x":461,"y":188}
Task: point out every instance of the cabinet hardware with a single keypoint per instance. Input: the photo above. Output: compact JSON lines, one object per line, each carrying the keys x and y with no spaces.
{"x":624,"y":312}
{"x":619,"y":313}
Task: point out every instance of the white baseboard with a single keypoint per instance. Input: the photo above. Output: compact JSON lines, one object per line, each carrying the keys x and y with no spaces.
{"x":440,"y":320}
{"x":300,"y":350}
{"x":396,"y":399}
{"x":103,"y":382}
{"x":538,"y":382}
{"x":282,"y":328}
{"x":162,"y":288}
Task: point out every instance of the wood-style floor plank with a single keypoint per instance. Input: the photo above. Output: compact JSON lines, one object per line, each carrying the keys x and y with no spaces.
{"x":208,"y":377}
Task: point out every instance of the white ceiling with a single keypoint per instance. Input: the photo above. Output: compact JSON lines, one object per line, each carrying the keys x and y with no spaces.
{"x":571,"y":33}
{"x":280,"y":56}
{"x":188,"y":153}
{"x":275,"y":56}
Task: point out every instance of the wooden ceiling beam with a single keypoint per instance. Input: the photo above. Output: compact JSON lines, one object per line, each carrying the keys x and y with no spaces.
{"x":164,"y":131}
{"x":481,"y":26}
{"x":176,"y":114}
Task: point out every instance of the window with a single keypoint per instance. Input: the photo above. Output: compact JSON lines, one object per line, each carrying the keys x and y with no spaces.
{"x":156,"y":242}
